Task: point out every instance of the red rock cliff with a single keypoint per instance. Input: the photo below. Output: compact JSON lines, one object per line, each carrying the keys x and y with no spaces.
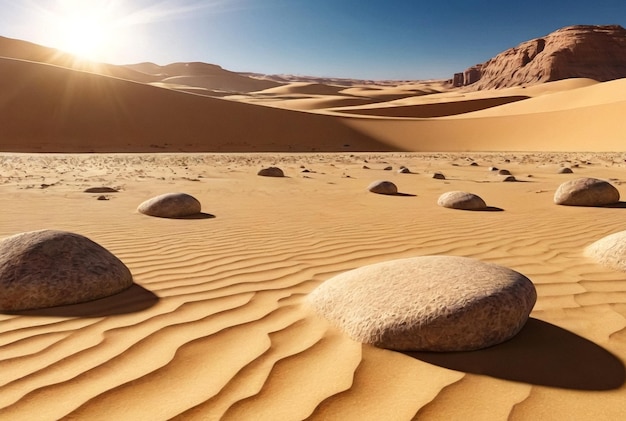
{"x":596,"y":52}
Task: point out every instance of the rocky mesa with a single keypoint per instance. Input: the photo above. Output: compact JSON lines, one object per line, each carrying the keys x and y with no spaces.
{"x":580,"y":51}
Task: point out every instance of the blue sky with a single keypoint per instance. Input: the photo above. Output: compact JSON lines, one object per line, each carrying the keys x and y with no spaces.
{"x":340,"y":38}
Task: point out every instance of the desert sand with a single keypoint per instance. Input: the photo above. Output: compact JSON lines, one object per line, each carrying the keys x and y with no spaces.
{"x":216,"y":325}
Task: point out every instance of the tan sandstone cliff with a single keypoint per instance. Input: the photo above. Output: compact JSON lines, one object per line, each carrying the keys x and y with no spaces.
{"x":581,"y":51}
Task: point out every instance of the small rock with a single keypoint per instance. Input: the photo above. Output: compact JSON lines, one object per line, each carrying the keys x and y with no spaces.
{"x":509,"y":178}
{"x":383,"y":187}
{"x":102,"y":197}
{"x":439,"y":176}
{"x":271,"y":172}
{"x":493,"y":168}
{"x":504,"y":172}
{"x":474,"y":164}
{"x":171,"y":205}
{"x":461,"y":200}
{"x":404,"y":170}
{"x":388,"y":168}
{"x":565,"y":170}
{"x":101,"y":190}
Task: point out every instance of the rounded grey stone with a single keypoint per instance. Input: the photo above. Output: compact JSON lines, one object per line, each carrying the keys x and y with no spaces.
{"x":50,"y":268}
{"x":609,"y":251}
{"x":383,"y":187}
{"x":461,"y":200}
{"x":586,"y":192}
{"x":171,"y":205}
{"x":428,"y":303}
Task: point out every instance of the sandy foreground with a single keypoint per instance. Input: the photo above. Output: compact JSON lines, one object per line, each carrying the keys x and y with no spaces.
{"x":216,"y":326}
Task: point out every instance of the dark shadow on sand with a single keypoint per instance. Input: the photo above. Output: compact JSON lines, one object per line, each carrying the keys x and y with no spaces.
{"x":131,"y":300}
{"x":541,"y":354}
{"x":200,"y":215}
{"x":618,"y":205}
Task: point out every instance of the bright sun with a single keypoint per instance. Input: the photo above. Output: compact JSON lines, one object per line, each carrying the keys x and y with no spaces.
{"x":85,"y":29}
{"x":84,"y":36}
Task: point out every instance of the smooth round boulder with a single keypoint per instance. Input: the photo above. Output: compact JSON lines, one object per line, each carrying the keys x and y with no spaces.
{"x":509,"y":179}
{"x":171,"y":205}
{"x":383,"y":187}
{"x":439,"y":176}
{"x":428,"y":303}
{"x":586,"y":192}
{"x":48,"y":268}
{"x":461,"y":200}
{"x":504,"y":172}
{"x":271,"y":172}
{"x":609,"y":251}
{"x":566,"y":170}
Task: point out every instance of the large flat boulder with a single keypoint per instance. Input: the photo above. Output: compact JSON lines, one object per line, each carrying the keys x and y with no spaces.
{"x":586,"y":192}
{"x":52,"y":268}
{"x":428,"y":303}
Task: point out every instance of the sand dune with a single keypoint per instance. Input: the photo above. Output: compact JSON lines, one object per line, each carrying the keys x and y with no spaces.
{"x":46,"y":108}
{"x":217,"y":327}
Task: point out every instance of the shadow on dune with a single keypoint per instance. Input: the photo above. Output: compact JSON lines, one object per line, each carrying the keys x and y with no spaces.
{"x":131,"y":300}
{"x":541,"y":354}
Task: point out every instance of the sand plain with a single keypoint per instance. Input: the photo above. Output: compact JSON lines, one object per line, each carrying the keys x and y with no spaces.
{"x":216,"y":326}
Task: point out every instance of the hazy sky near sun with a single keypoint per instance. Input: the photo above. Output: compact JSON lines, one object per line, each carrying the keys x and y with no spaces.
{"x":404,"y":39}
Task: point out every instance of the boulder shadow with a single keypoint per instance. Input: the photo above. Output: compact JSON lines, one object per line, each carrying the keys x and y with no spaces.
{"x":200,"y":215}
{"x":487,"y":209}
{"x":132,"y":300}
{"x":540,"y":354}
{"x":618,"y":205}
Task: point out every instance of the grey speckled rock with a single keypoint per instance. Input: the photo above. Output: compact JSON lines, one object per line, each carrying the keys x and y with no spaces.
{"x":461,"y":200}
{"x":428,"y":303}
{"x":609,"y":251}
{"x":51,"y":268}
{"x":383,"y":187}
{"x":171,"y":205}
{"x":271,"y":172}
{"x":586,"y":192}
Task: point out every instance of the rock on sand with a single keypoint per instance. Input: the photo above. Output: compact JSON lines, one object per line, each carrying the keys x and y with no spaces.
{"x":171,"y":205}
{"x":586,"y":192}
{"x":428,"y":303}
{"x":52,"y":268}
{"x":609,"y":251}
{"x":271,"y":172}
{"x":461,"y":200}
{"x":383,"y":187}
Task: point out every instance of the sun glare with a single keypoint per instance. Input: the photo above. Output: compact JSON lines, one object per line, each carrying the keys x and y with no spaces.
{"x":84,"y":36}
{"x":85,"y":29}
